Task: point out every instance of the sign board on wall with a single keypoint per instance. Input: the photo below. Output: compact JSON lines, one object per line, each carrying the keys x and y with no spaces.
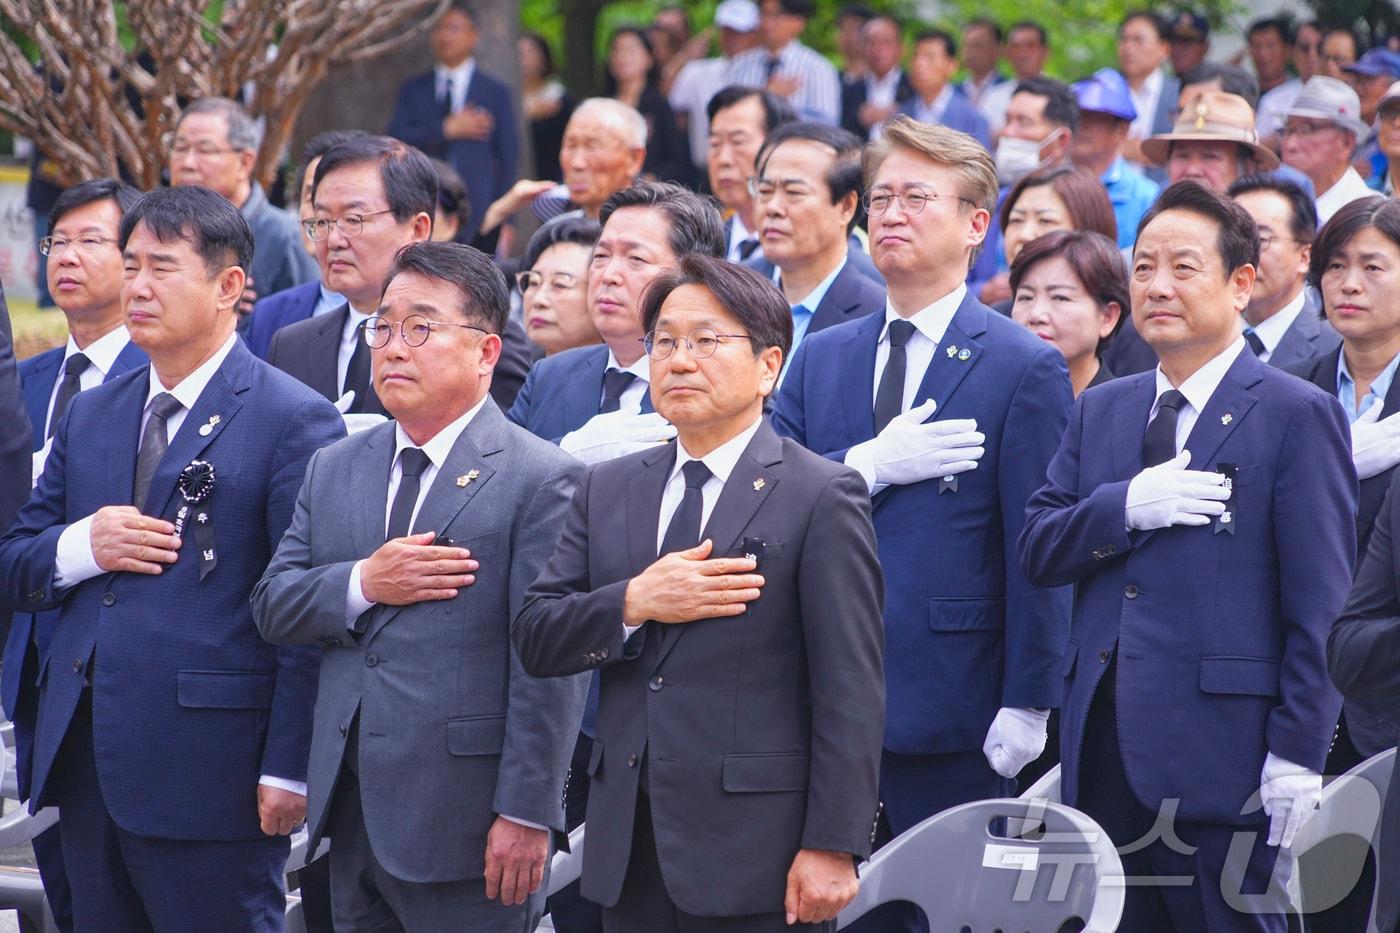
{"x":18,"y":259}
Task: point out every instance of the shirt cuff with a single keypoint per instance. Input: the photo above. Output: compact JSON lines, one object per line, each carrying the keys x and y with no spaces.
{"x":355,"y":603}
{"x":296,"y":787}
{"x":627,"y":631}
{"x":526,"y":823}
{"x":74,"y":561}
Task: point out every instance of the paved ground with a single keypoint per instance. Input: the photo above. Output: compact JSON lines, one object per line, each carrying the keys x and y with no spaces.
{"x":21,"y":857}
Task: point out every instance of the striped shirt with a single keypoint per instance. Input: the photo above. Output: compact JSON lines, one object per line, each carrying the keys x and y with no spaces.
{"x":818,"y":94}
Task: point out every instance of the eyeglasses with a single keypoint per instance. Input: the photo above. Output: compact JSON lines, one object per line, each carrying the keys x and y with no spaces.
{"x":350,"y":225}
{"x":701,"y":342}
{"x":414,"y":330}
{"x":1305,"y":129}
{"x":87,"y":245}
{"x":912,"y":201}
{"x":1267,"y":240}
{"x":559,"y":283}
{"x":181,"y":147}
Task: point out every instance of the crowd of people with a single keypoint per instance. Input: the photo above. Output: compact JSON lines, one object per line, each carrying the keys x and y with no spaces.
{"x":845,"y":445}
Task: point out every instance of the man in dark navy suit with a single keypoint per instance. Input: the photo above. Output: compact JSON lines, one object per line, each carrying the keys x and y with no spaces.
{"x":806,"y":196}
{"x":1205,"y":512}
{"x":461,"y":114}
{"x":173,"y":739}
{"x":85,"y":266}
{"x":971,"y":669}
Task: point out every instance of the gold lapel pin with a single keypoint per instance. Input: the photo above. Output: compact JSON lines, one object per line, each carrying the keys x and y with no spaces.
{"x":466,"y":478}
{"x":1226,"y":418}
{"x":758,"y":484}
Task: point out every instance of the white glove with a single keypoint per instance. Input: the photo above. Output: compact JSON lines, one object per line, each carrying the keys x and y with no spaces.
{"x":355,"y":422}
{"x":1289,"y":794}
{"x":616,"y":434}
{"x":1375,"y":442}
{"x":1016,"y":738}
{"x":1170,"y":494}
{"x":40,"y":457}
{"x":910,"y":451}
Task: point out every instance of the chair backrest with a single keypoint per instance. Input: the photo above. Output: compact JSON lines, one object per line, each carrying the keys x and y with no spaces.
{"x":1047,"y":788}
{"x":1350,"y":806}
{"x":964,"y":875}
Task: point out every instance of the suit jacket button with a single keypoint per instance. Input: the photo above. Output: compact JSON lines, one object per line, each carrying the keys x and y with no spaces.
{"x":603,"y":654}
{"x":1112,"y":549}
{"x":78,"y":666}
{"x":632,"y":760}
{"x":1103,"y":657}
{"x":1130,"y":591}
{"x":109,"y":599}
{"x":371,"y":659}
{"x":342,"y":732}
{"x":36,"y":596}
{"x":657,"y":683}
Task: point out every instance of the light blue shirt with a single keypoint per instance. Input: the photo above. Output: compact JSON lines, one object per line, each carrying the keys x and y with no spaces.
{"x":1346,"y":387}
{"x":327,"y":301}
{"x":1132,"y":193}
{"x":803,"y":311}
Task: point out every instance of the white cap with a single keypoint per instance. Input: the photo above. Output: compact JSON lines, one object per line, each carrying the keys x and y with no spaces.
{"x":738,"y":15}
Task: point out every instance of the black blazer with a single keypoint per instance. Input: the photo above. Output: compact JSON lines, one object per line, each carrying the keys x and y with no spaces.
{"x":309,"y":350}
{"x":853,"y":97}
{"x":1363,"y":658}
{"x":15,"y":441}
{"x":760,"y":734}
{"x":852,"y":295}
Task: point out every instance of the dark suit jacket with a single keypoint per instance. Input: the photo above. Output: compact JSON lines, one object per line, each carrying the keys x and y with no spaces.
{"x":1363,"y":657}
{"x":852,"y":295}
{"x":967,"y":633}
{"x":961,"y":114}
{"x":853,"y":98}
{"x":274,"y":312}
{"x":759,"y":734}
{"x":562,"y":392}
{"x":16,"y":436}
{"x":1214,"y":673}
{"x":39,"y":373}
{"x":1308,"y":337}
{"x":856,"y":256}
{"x":310,"y":350}
{"x":190,"y":705}
{"x":487,"y":166}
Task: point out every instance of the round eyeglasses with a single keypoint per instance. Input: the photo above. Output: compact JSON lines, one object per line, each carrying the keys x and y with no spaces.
{"x":701,"y":342}
{"x":414,"y":330}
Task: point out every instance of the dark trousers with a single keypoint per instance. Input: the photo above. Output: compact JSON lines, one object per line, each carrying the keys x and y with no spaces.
{"x":569,"y":910}
{"x":1175,"y":882}
{"x":48,"y":856}
{"x":126,"y":883}
{"x":912,"y":789}
{"x":645,"y":907}
{"x":48,"y":845}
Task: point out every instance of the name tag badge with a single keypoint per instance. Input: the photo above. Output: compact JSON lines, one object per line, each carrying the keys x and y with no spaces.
{"x":1228,"y":520}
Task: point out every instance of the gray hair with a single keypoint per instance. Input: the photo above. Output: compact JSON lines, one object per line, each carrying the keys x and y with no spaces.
{"x":243,"y":131}
{"x":626,"y":120}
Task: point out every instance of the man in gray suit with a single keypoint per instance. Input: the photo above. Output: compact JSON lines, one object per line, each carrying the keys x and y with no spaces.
{"x":1283,"y":321}
{"x":742,"y":693}
{"x":437,"y":764}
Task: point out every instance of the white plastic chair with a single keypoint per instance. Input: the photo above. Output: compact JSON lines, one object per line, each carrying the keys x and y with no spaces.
{"x":965,"y":877}
{"x":566,"y":867}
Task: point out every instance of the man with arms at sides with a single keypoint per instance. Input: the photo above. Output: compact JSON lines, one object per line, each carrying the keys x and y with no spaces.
{"x":1283,"y":322}
{"x":443,"y":516}
{"x":807,"y":194}
{"x":740,"y":119}
{"x":309,"y":299}
{"x":172,"y":737}
{"x":936,"y":386}
{"x":85,"y":271}
{"x":215,"y":146}
{"x":1212,"y":697}
{"x":741,"y":688}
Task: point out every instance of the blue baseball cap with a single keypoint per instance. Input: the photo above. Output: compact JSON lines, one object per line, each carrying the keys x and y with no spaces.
{"x":1376,"y":62}
{"x":1105,"y":91}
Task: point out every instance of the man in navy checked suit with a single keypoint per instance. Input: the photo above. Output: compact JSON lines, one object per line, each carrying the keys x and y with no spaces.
{"x":973,"y":649}
{"x":171,"y":736}
{"x":1205,"y":512}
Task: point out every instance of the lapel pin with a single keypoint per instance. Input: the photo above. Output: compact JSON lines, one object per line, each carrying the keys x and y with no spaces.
{"x":1226,"y":418}
{"x":208,"y":428}
{"x":759,"y":484}
{"x":466,"y":478}
{"x":952,"y":351}
{"x":964,"y":354}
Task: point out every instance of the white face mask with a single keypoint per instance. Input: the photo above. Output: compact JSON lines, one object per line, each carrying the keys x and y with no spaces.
{"x":1017,"y":158}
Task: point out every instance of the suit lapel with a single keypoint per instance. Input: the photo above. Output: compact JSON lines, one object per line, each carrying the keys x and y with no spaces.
{"x":585,"y":392}
{"x":949,"y":366}
{"x":38,"y":389}
{"x":836,"y":303}
{"x":1130,"y":426}
{"x":323,"y":353}
{"x":1225,"y":411}
{"x":644,"y":489}
{"x":856,"y":366}
{"x":748,"y":486}
{"x":131,"y":357}
{"x":370,"y":484}
{"x":220,"y":399}
{"x":116,"y":449}
{"x":1391,"y":402}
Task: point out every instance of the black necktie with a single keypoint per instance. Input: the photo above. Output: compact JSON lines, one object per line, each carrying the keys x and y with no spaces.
{"x":1255,"y":344}
{"x":889,"y":399}
{"x":1159,"y":445}
{"x":684,"y":530}
{"x":72,"y":370}
{"x":414,"y":462}
{"x":615,"y":382}
{"x":154,"y":443}
{"x":746,"y":248}
{"x":357,"y":372}
{"x":771,"y":66}
{"x":445,"y":96}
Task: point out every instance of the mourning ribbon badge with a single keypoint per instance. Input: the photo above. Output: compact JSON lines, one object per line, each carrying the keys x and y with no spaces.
{"x":196,"y":487}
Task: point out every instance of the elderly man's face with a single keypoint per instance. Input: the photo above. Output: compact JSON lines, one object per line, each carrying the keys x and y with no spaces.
{"x":1215,"y":165}
{"x":1317,"y":148}
{"x":200,"y":154}
{"x":736,"y":133}
{"x":598,"y":159}
{"x":1390,"y":131}
{"x":173,"y":302}
{"x":797,"y":221}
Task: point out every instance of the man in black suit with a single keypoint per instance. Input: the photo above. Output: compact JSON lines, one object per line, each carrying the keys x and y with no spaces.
{"x":740,"y":118}
{"x":742,"y":701}
{"x":15,"y":436}
{"x":806,"y":199}
{"x":373,"y":195}
{"x":873,"y":98}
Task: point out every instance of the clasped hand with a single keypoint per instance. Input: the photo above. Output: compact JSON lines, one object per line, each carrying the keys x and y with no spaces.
{"x":124,"y":539}
{"x":686,"y":586}
{"x":1375,"y":442}
{"x":414,"y":570}
{"x":1169,"y":494}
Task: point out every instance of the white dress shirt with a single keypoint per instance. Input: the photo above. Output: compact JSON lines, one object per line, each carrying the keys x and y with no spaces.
{"x":933,"y":111}
{"x":74,"y":561}
{"x":738,"y":233}
{"x":994,"y":102}
{"x":1198,"y":388}
{"x":460,"y":78}
{"x":882,"y":93}
{"x":721,"y":462}
{"x":102,"y":355}
{"x":1145,"y":101}
{"x":1350,"y":187}
{"x":1271,"y":330}
{"x":631,"y":398}
{"x":348,"y":337}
